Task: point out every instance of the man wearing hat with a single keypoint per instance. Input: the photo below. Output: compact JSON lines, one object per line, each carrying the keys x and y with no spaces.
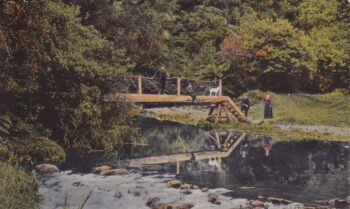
{"x":161,"y":77}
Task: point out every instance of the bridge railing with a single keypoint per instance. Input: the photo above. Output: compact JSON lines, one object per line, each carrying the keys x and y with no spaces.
{"x":138,"y":84}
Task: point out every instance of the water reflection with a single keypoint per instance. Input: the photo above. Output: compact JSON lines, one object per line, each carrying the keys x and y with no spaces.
{"x":267,"y":144}
{"x":305,"y":171}
{"x":223,"y":144}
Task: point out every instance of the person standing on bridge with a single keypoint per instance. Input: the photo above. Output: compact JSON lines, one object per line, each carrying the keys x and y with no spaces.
{"x":191,"y":92}
{"x":161,"y":76}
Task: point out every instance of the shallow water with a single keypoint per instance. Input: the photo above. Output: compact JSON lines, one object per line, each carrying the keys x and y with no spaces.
{"x":303,"y":171}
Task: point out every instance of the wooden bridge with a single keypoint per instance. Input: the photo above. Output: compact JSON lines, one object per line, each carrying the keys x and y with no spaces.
{"x":223,"y":109}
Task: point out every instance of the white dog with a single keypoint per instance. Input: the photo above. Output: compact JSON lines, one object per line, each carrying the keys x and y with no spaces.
{"x":214,"y":91}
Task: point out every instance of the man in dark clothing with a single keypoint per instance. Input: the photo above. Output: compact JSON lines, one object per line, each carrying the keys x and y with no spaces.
{"x":161,"y":77}
{"x":191,"y":92}
{"x":245,"y":105}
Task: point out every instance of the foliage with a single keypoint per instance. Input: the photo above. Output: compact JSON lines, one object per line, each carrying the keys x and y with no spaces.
{"x":32,"y":150}
{"x":18,"y":189}
{"x":58,"y":58}
{"x":5,"y":125}
{"x":55,"y":74}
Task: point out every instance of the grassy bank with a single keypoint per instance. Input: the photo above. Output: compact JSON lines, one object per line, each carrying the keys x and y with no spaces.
{"x":304,"y":116}
{"x":18,"y":189}
{"x":331,"y":109}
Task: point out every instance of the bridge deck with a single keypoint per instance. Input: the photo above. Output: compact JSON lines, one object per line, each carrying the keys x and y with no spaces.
{"x":183,"y":99}
{"x":156,"y":98}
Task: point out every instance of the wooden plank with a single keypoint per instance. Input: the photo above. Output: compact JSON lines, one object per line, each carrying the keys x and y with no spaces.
{"x":156,"y":98}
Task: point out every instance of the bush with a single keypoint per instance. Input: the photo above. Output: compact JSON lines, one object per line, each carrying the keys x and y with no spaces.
{"x":34,"y":149}
{"x":18,"y":190}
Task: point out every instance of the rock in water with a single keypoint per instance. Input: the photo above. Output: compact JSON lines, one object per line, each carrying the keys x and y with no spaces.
{"x":152,"y":201}
{"x":117,"y":171}
{"x":184,"y":206}
{"x":186,"y":192}
{"x":348,"y":200}
{"x":257,"y":203}
{"x":101,"y":169}
{"x":174,"y":183}
{"x":279,"y":201}
{"x":186,"y":186}
{"x":46,"y":168}
{"x":204,"y":189}
{"x":213,"y":198}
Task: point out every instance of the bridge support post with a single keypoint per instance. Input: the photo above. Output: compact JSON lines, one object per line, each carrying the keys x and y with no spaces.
{"x":220,"y":86}
{"x":177,"y":167}
{"x":139,"y":81}
{"x":178,"y":86}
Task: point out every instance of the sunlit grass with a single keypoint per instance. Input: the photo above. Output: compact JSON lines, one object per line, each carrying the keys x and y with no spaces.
{"x":331,"y":109}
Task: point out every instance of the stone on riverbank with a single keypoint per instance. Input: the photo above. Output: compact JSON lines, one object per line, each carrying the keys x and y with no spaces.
{"x":279,"y":201}
{"x":101,"y":169}
{"x":337,"y":202}
{"x":154,"y":203}
{"x":116,"y":171}
{"x":184,"y":206}
{"x":257,"y":203}
{"x":46,"y":168}
{"x":186,"y":186}
{"x":174,"y":183}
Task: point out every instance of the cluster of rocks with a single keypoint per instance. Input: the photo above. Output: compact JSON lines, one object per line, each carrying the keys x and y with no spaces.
{"x":107,"y":170}
{"x":154,"y":203}
{"x":186,"y":189}
{"x":262,"y":202}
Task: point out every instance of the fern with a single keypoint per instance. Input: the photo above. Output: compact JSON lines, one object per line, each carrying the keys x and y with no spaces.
{"x":5,"y":125}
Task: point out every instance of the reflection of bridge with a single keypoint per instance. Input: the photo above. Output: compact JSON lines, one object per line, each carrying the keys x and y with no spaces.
{"x":223,"y":108}
{"x":226,"y":145}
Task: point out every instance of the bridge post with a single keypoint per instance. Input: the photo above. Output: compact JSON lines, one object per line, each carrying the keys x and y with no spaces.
{"x":220,"y":86}
{"x":139,"y":79}
{"x":178,"y":86}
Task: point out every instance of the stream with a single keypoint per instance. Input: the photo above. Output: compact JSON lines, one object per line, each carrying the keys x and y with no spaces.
{"x":305,"y":171}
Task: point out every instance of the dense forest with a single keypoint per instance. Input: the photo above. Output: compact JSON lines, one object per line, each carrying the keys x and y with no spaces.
{"x":58,"y":56}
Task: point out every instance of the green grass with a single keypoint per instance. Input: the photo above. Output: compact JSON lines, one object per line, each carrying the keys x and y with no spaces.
{"x":331,"y":109}
{"x":18,"y":190}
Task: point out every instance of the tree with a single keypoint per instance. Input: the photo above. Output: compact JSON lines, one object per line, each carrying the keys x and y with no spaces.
{"x":55,"y":72}
{"x":281,"y":53}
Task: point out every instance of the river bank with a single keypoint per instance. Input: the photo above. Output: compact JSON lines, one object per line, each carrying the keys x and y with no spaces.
{"x":296,"y":116}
